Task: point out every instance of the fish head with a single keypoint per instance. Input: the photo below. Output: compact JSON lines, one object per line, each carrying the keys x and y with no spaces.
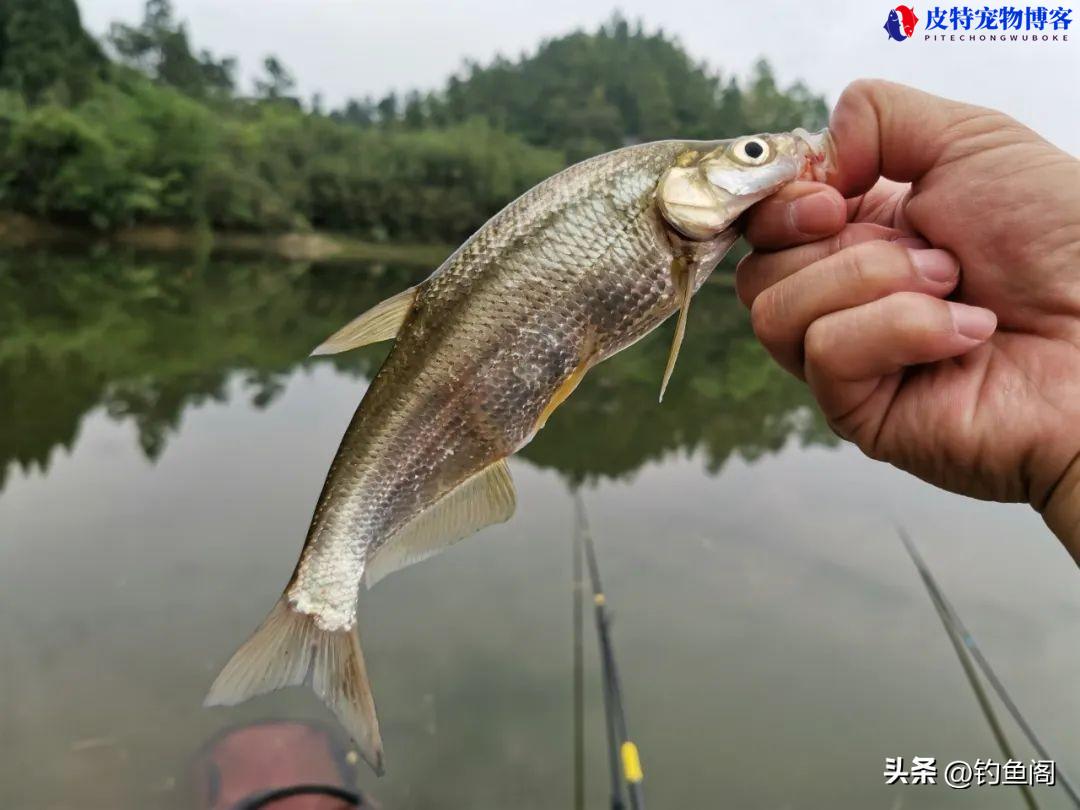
{"x":703,"y":194}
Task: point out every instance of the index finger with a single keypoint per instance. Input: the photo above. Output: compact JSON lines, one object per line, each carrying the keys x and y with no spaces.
{"x":798,"y":213}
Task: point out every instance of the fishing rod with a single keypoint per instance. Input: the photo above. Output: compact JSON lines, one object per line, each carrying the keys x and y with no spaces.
{"x":580,"y":533}
{"x":579,"y":674}
{"x":967,"y":649}
{"x":623,"y":759}
{"x":965,"y":663}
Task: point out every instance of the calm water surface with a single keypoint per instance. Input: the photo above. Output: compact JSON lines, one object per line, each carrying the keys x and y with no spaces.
{"x":162,"y":443}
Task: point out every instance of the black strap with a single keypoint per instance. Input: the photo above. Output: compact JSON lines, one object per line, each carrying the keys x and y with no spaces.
{"x":267,"y":797}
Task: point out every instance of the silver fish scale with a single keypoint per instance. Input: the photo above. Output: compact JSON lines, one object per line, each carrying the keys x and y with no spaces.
{"x":570,"y":273}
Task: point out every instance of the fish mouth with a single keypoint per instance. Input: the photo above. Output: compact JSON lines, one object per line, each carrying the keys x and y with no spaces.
{"x":818,"y":150}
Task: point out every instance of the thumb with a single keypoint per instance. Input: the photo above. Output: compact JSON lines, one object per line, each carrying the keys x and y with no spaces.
{"x":889,"y":130}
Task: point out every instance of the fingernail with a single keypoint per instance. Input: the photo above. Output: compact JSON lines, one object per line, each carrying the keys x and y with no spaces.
{"x":815,"y":214}
{"x":912,"y":242}
{"x":975,"y":323}
{"x":934,"y":265}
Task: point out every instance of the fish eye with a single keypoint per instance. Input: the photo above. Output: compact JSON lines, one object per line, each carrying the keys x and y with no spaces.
{"x":751,"y":151}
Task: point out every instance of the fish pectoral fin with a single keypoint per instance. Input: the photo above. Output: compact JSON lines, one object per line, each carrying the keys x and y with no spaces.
{"x":382,"y":322}
{"x":684,"y":276}
{"x":562,"y":393}
{"x":486,"y":498}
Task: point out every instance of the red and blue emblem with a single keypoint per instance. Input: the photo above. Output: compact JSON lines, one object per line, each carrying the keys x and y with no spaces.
{"x":901,"y":23}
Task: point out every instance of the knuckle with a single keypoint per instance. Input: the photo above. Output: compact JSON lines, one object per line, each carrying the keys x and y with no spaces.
{"x":877,"y":266}
{"x":971,"y":121}
{"x":841,"y":241}
{"x":868,"y":439}
{"x":774,"y":314}
{"x":763,"y":317}
{"x":860,"y":100}
{"x":745,"y":273}
{"x":857,"y":263}
{"x":859,"y":427}
{"x":860,"y":232}
{"x":858,"y":91}
{"x":915,"y":313}
{"x":817,"y":345}
{"x":839,"y":426}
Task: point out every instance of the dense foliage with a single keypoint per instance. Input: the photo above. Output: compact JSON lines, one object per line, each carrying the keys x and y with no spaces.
{"x":147,"y":339}
{"x":159,"y":133}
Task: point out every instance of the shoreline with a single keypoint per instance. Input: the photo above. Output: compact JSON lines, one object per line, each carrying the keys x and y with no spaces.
{"x":21,"y":231}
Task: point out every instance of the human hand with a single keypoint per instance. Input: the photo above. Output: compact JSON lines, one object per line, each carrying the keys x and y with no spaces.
{"x":930,"y":296}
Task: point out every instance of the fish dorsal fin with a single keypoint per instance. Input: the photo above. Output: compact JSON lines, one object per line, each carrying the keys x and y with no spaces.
{"x":486,"y":498}
{"x":381,"y":322}
{"x":684,"y":275}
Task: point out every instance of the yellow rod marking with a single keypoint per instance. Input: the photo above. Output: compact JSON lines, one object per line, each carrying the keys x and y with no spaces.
{"x":599,"y":599}
{"x":631,"y":763}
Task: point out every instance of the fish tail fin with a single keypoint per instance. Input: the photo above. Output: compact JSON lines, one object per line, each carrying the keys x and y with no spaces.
{"x":289,"y":649}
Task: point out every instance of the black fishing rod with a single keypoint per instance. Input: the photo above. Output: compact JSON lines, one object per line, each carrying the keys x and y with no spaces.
{"x":579,"y":674}
{"x":623,"y":758}
{"x":968,"y":650}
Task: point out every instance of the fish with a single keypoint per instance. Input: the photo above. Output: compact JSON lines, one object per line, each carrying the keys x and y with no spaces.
{"x":578,"y":268}
{"x":907,"y":19}
{"x":893,"y":26}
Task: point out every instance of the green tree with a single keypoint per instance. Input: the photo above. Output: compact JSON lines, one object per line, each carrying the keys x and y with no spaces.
{"x":159,"y":47}
{"x":43,"y":48}
{"x":387,"y":109}
{"x":766,"y":107}
{"x":159,"y":138}
{"x":415,"y":116}
{"x":277,"y":83}
{"x":587,"y":92}
{"x":358,"y":112}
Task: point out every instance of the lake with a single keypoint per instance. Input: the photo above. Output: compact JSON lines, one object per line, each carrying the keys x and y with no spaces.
{"x":163,"y":438}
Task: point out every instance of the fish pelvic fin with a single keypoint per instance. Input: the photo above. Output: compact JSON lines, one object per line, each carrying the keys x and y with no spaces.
{"x":486,"y":498}
{"x":290,"y":649}
{"x":562,"y":393}
{"x":685,"y":276}
{"x":382,"y":322}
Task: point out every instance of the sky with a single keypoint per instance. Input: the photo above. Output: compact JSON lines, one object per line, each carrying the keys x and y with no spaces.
{"x":344,"y":48}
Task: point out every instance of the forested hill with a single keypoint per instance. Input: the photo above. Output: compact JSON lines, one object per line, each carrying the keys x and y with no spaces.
{"x":146,"y":128}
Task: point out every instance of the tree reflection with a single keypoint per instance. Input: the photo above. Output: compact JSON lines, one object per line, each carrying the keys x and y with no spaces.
{"x":146,"y":338}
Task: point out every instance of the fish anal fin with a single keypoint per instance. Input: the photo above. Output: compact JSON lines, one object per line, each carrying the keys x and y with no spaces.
{"x":290,"y":649}
{"x":562,"y":393}
{"x":381,"y":322}
{"x":486,"y":498}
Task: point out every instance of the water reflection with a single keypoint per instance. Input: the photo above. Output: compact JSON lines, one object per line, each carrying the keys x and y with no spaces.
{"x":147,"y":338}
{"x":774,"y":640}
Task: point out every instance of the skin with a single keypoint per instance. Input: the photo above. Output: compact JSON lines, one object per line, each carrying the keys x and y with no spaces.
{"x":929,"y":295}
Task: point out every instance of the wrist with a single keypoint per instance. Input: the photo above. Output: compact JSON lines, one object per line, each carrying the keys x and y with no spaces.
{"x":1061,"y":511}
